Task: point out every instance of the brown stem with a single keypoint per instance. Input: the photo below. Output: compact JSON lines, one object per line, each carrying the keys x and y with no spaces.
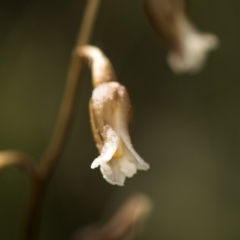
{"x":16,"y":158}
{"x":34,"y":209}
{"x":62,"y":127}
{"x":68,"y":103}
{"x":101,"y":68}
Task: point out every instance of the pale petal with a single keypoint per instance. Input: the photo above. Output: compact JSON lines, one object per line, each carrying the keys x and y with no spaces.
{"x":127,"y":167}
{"x":111,"y":172}
{"x":109,"y":148}
{"x":131,"y":154}
{"x":195,"y":48}
{"x":135,"y":159}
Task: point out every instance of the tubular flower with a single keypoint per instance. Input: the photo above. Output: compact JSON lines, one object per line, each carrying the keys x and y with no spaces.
{"x":188,"y":47}
{"x":110,"y":115}
{"x":110,"y":112}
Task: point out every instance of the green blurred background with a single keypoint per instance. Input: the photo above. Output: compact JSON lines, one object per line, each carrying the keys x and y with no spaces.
{"x":186,"y":127}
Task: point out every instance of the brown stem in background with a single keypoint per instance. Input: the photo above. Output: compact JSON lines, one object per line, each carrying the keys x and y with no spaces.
{"x":62,"y":127}
{"x":164,"y":16}
{"x":10,"y":158}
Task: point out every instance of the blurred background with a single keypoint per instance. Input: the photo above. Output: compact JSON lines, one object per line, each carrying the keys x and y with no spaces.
{"x":186,"y":127}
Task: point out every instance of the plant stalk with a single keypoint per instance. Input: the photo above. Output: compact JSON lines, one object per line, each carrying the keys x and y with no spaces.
{"x":62,"y":127}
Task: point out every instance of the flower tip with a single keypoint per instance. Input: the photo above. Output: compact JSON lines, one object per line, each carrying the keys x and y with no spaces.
{"x":147,"y":166}
{"x":144,"y":167}
{"x":212,"y":41}
{"x":94,"y":165}
{"x":117,"y":182}
{"x":120,"y":184}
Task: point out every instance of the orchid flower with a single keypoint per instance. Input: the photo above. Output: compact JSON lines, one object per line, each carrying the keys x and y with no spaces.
{"x":110,"y":113}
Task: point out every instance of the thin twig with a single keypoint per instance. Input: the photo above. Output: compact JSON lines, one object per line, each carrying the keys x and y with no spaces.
{"x":62,"y":126}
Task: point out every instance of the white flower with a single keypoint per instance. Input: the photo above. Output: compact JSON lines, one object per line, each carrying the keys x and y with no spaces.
{"x":193,"y":51}
{"x":110,"y":111}
{"x":188,"y":47}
